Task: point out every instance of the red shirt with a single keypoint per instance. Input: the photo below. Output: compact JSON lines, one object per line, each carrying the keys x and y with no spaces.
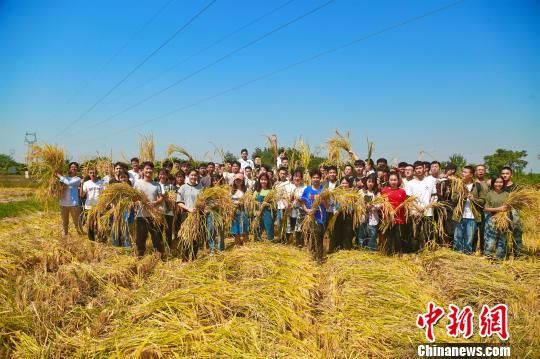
{"x":396,"y":197}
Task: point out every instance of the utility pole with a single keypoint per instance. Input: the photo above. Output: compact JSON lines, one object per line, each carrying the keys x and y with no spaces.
{"x":29,"y":139}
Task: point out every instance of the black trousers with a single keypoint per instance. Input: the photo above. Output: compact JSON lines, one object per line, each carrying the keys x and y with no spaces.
{"x":142,"y":227}
{"x":479,"y":241}
{"x":396,"y":239}
{"x":332,"y":237}
{"x":423,"y":233}
{"x":168,"y":229}
{"x":343,"y":232}
{"x":317,"y":245}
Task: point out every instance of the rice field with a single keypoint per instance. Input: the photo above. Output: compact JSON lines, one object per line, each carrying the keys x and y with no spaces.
{"x":74,"y":298}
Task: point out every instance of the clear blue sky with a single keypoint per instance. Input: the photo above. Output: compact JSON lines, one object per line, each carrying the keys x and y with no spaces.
{"x":463,"y":80}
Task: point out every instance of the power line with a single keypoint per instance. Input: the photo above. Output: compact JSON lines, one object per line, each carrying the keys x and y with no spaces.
{"x":201,"y":51}
{"x":295,"y":64}
{"x":115,"y":55}
{"x":215,"y":62}
{"x":129,"y":74}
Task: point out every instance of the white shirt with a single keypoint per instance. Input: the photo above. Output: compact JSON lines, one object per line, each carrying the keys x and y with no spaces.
{"x":422,"y":190}
{"x":284,"y":189}
{"x":134,"y":176}
{"x":245,"y":163}
{"x":467,"y":211}
{"x":92,"y":190}
{"x":70,"y":192}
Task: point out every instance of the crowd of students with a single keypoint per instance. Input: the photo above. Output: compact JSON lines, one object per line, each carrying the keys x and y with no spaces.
{"x":466,"y":230}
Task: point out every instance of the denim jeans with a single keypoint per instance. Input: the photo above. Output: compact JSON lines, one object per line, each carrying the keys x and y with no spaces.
{"x":214,"y":244}
{"x":494,"y":239}
{"x":366,"y":236}
{"x":464,"y":235}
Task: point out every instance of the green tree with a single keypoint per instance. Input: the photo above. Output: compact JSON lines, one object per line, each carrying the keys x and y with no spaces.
{"x":502,"y":157}
{"x":456,"y":159}
{"x":7,"y":161}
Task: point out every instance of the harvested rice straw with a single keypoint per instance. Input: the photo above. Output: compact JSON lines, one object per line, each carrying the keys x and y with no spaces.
{"x":248,"y":203}
{"x":345,"y":200}
{"x":146,"y":148}
{"x":270,"y":200}
{"x":309,"y":223}
{"x":219,"y":151}
{"x":115,"y":204}
{"x":525,"y":200}
{"x":178,"y":149}
{"x":273,"y":145}
{"x":45,"y":163}
{"x":212,"y":201}
{"x":104,"y":167}
{"x":335,"y":145}
{"x":460,"y":193}
{"x":370,"y":149}
{"x":305,"y":158}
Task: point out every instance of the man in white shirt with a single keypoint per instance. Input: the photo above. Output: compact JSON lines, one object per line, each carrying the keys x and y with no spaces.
{"x":244,"y":161}
{"x":134,"y":172}
{"x":425,"y":191}
{"x":284,"y":189}
{"x":70,"y":201}
{"x":90,"y":192}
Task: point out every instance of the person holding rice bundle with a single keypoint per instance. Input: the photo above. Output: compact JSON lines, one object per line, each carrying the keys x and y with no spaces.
{"x":70,"y":201}
{"x":396,"y":236}
{"x":425,"y":192}
{"x":123,"y":238}
{"x":284,"y":189}
{"x":331,"y":183}
{"x":90,"y":192}
{"x":167,"y":207}
{"x":294,"y":221}
{"x":366,"y":235}
{"x":495,"y":198}
{"x":309,"y":196}
{"x":262,"y":189}
{"x":186,"y":199}
{"x":470,"y":200}
{"x":215,"y":237}
{"x":343,"y":226}
{"x":144,"y":224}
{"x":240,"y":224}
{"x":135,"y":172}
{"x":517,"y":232}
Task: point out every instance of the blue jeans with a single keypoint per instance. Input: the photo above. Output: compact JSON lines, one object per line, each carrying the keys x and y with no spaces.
{"x":464,"y":235}
{"x":122,"y":240}
{"x":366,"y":236}
{"x":494,"y":239}
{"x":212,"y":233}
{"x":266,"y":224}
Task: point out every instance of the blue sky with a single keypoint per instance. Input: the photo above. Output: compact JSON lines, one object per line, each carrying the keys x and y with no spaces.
{"x":465,"y":79}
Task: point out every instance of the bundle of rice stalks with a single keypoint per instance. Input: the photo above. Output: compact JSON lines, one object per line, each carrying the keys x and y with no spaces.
{"x":440,"y":210}
{"x":179,"y":149}
{"x":104,"y":167}
{"x":273,"y":145}
{"x":525,"y":200}
{"x":346,"y":201}
{"x":337,"y":144}
{"x":270,"y":201}
{"x":115,"y":204}
{"x":370,"y":149}
{"x":304,"y":156}
{"x":248,"y":203}
{"x":45,"y":163}
{"x":214,"y":202}
{"x":309,"y":223}
{"x":146,"y":148}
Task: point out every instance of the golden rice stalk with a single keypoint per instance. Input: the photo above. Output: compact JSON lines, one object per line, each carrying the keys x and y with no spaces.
{"x":525,"y":200}
{"x":335,"y":145}
{"x":272,"y":141}
{"x":370,"y":149}
{"x":270,"y":201}
{"x":146,"y":148}
{"x":45,"y":162}
{"x":115,"y":205}
{"x":212,"y":201}
{"x":104,"y":167}
{"x":178,"y":149}
{"x":219,"y":151}
{"x":304,"y":154}
{"x":248,"y":203}
{"x":308,"y":226}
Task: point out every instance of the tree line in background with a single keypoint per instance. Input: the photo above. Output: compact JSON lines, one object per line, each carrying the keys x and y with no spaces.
{"x":494,"y":162}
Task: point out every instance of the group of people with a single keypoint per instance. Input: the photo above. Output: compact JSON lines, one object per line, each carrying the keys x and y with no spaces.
{"x":466,"y":230}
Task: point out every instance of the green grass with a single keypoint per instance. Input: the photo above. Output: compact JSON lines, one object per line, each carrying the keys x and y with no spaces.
{"x":14,"y":209}
{"x":10,"y":181}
